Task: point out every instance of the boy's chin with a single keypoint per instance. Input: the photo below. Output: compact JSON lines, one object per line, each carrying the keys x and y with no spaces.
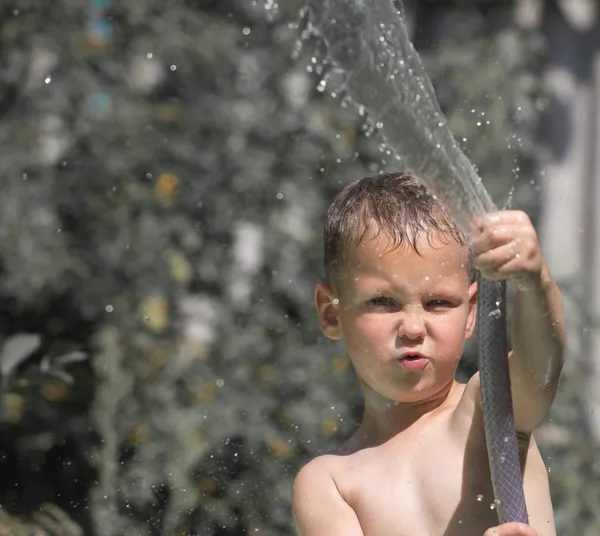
{"x":417,"y":395}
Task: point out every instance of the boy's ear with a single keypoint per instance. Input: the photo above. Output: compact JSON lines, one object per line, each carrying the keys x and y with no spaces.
{"x":472,"y":311}
{"x":327,"y":309}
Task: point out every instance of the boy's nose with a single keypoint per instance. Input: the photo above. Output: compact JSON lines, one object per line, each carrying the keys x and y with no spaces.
{"x":412,"y":326}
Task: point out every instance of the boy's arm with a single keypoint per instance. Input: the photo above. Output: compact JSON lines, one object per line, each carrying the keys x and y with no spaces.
{"x":538,"y":340}
{"x":507,"y":247}
{"x":318,"y":507}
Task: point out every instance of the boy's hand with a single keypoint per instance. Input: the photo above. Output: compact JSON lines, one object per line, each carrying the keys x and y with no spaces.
{"x":506,"y":247}
{"x":512,"y":529}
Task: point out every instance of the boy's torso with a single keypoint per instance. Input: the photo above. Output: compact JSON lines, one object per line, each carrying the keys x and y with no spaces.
{"x":433,"y":479}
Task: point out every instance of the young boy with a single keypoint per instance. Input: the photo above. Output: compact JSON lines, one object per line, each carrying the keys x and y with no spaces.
{"x":399,"y":291}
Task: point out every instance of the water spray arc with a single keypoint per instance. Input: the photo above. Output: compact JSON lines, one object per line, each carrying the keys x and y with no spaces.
{"x":368,"y":42}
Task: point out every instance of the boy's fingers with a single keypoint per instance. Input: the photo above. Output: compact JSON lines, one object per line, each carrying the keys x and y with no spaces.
{"x":494,"y":237}
{"x":499,"y":256}
{"x":506,"y":216}
{"x":512,"y":529}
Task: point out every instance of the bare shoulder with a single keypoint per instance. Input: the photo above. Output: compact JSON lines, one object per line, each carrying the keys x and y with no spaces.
{"x":318,"y":505}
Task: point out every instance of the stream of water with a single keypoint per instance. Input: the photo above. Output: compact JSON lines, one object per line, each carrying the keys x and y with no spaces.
{"x":369,"y":48}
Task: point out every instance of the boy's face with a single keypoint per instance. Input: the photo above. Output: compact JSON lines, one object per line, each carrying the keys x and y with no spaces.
{"x":403,"y":316}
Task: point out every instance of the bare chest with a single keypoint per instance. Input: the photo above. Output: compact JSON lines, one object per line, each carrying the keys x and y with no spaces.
{"x":427,"y":483}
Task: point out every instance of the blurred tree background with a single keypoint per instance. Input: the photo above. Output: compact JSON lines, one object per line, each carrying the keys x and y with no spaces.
{"x":166,"y":168}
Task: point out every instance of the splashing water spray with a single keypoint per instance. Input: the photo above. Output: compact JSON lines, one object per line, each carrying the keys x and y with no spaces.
{"x":368,"y":47}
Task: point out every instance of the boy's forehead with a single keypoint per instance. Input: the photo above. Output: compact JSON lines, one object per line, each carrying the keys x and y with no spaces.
{"x":380,"y":255}
{"x":430,"y":248}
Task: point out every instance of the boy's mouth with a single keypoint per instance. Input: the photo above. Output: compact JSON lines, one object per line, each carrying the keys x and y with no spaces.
{"x":413,"y":361}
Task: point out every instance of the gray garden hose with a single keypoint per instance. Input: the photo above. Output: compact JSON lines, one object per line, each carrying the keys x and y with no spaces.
{"x":497,"y":402}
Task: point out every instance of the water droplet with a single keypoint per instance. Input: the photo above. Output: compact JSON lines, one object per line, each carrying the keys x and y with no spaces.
{"x":220,"y":382}
{"x":335,"y":302}
{"x":149,"y":55}
{"x":379,"y":124}
{"x":495,"y":313}
{"x":109,"y":308}
{"x":246,"y":31}
{"x":479,"y":497}
{"x":279,"y":195}
{"x":48,"y":79}
{"x":173,"y":67}
{"x":322,"y":85}
{"x":492,"y":506}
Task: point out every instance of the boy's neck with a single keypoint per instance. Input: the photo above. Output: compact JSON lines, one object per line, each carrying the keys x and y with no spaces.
{"x":383,"y":419}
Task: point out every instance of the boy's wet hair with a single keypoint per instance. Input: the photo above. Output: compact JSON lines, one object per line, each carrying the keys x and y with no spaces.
{"x":392,"y":204}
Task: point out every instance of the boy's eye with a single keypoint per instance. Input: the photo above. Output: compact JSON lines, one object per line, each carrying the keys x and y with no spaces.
{"x":382,"y":301}
{"x":439,"y":303}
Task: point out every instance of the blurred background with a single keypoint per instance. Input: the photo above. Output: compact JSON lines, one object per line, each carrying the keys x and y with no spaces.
{"x":166,"y":167}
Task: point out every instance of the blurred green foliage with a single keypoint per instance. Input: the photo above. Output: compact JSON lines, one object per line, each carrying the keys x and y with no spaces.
{"x":166,"y":170}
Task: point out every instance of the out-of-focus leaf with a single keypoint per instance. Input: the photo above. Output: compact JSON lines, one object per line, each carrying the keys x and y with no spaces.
{"x":16,"y":350}
{"x":72,"y":357}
